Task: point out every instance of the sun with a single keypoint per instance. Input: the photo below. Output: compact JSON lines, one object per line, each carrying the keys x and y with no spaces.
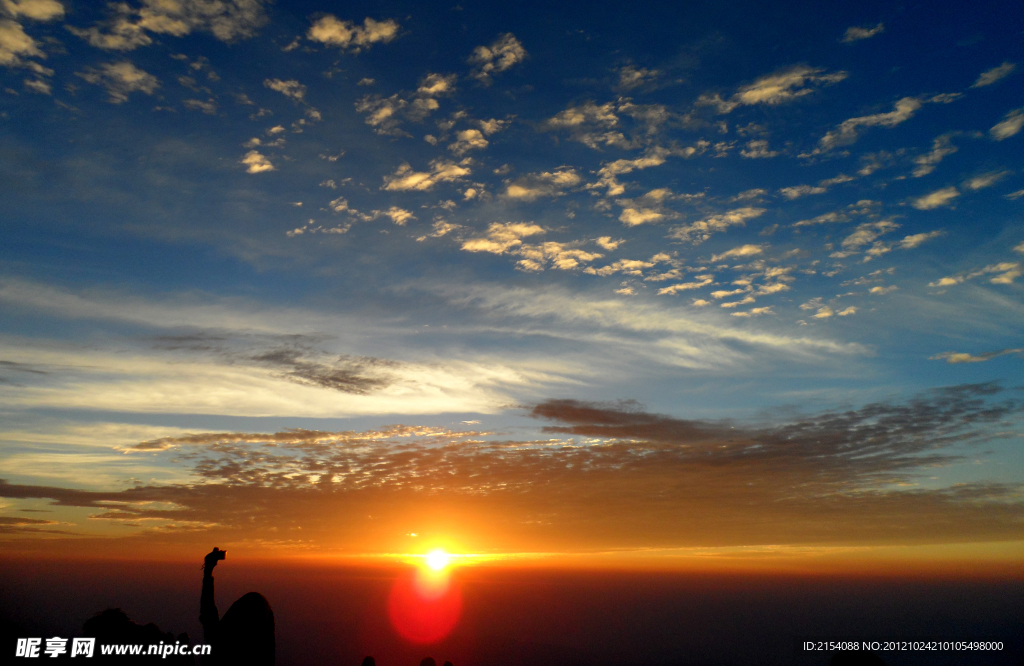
{"x":438,"y":559}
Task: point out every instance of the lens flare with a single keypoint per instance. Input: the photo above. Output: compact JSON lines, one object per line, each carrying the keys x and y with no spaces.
{"x":425,"y":606}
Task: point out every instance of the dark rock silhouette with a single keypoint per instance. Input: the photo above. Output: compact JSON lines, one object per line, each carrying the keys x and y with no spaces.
{"x":369,"y":661}
{"x":428,"y":661}
{"x":113,"y":626}
{"x":245,"y":635}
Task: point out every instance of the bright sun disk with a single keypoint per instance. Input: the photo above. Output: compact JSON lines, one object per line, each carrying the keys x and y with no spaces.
{"x":437,"y":559}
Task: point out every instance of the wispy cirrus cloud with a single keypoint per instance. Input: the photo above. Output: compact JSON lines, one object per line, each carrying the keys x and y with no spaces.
{"x":962,"y":357}
{"x":857,"y":33}
{"x":990,"y":76}
{"x":1005,"y":272}
{"x":936,"y":199}
{"x":847,"y":131}
{"x":774,"y":89}
{"x":1010,"y":125}
{"x":941,"y":147}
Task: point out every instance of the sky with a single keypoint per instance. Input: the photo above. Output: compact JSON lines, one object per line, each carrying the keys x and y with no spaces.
{"x":656,"y":283}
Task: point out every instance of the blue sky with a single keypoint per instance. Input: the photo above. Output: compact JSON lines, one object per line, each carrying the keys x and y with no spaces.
{"x":246,"y":217}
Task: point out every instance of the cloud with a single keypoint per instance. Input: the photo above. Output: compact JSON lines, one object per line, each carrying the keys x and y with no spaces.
{"x":602,"y":477}
{"x":385,"y":114}
{"x":635,"y":267}
{"x":209,"y":107}
{"x":866,"y":234}
{"x":37,"y":10}
{"x":34,"y":9}
{"x":290,"y":89}
{"x":936,"y":199}
{"x":441,"y":228}
{"x":313,"y":228}
{"x":592,"y":125}
{"x":256,"y":162}
{"x":501,"y":55}
{"x":758,"y":149}
{"x":15,"y":44}
{"x":798,"y":191}
{"x":749,"y":195}
{"x":545,"y":184}
{"x":621,"y":124}
{"x":722,"y":293}
{"x":856,"y":33}
{"x":493,"y":126}
{"x":916,"y":240}
{"x":862,"y":207}
{"x":836,"y":180}
{"x":846,"y":132}
{"x":507,"y":238}
{"x":207,"y":360}
{"x":121,"y":79}
{"x":237,"y":372}
{"x":435,"y":85}
{"x":502,"y":237}
{"x":632,"y":217}
{"x":441,"y":171}
{"x":1009,"y":126}
{"x":671,"y":335}
{"x":39,"y":86}
{"x":588,"y":114}
{"x":985,"y":180}
{"x":1005,"y":273}
{"x":562,"y":256}
{"x":398,"y":215}
{"x":346,"y":35}
{"x":989,"y":77}
{"x":608,"y":174}
{"x":783,"y":86}
{"x":699,"y":282}
{"x":754,"y":312}
{"x":698,"y":232}
{"x":960,"y":357}
{"x":941,"y":147}
{"x":607,"y":243}
{"x":631,"y":77}
{"x":738,"y":252}
{"x":128,"y":27}
{"x":746,"y":301}
{"x":358,"y":376}
{"x":466,"y":140}
{"x":650,"y":207}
